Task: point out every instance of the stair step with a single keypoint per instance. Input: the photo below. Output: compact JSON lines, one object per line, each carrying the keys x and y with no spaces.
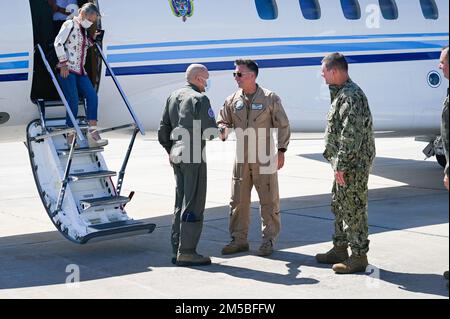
{"x":91,"y":175}
{"x":53,"y":134}
{"x":116,"y":200}
{"x":118,"y":230}
{"x":57,"y":103}
{"x":57,"y":128}
{"x":81,"y":151}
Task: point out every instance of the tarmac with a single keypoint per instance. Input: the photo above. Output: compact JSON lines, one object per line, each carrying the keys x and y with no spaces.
{"x":408,"y":217}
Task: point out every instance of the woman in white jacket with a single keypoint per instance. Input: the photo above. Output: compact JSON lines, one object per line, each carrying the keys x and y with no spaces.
{"x":71,"y":45}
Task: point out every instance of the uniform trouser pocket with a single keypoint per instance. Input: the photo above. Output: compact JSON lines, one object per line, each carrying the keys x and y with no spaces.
{"x":349,"y":206}
{"x":235,"y":191}
{"x":267,"y":187}
{"x":241,"y":186}
{"x":240,"y":203}
{"x":190,"y":198}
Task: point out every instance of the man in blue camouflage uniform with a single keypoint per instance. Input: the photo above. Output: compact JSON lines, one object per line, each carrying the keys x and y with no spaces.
{"x":350,"y":149}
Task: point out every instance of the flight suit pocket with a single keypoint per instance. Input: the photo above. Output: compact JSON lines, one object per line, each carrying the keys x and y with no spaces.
{"x":235,"y":191}
{"x":262,"y":115}
{"x":264,"y":188}
{"x":237,"y":117}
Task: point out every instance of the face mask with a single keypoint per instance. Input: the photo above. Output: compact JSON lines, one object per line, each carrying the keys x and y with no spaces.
{"x":86,"y":24}
{"x":207,"y":85}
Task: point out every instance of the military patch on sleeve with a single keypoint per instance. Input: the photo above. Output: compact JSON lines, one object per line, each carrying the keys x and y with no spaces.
{"x":211,"y":113}
{"x":239,"y":105}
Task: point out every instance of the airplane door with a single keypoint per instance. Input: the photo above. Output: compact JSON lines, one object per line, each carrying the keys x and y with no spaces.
{"x":16,"y":63}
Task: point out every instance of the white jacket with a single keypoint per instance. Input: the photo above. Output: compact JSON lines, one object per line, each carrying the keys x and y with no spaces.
{"x":71,"y":45}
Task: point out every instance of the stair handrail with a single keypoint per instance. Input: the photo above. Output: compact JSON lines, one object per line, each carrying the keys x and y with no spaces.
{"x":61,"y":94}
{"x":122,"y":93}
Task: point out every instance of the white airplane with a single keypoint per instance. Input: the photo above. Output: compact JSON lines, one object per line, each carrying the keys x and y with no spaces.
{"x":393,"y":47}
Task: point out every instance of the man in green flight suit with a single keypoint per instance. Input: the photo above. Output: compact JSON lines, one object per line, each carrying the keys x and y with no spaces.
{"x":187,"y":121}
{"x":350,"y":149}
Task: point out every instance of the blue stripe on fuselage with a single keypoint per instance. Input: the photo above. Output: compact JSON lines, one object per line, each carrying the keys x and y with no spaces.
{"x":14,"y":55}
{"x":276,"y":63}
{"x":14,"y":65}
{"x":13,"y":77}
{"x":274,"y":50}
{"x":285,"y":39}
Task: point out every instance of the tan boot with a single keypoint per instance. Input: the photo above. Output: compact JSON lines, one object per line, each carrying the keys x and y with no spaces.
{"x":352,"y":265}
{"x":94,"y":139}
{"x":234,"y":248}
{"x":266,"y":249}
{"x":337,"y":254}
{"x":189,"y":260}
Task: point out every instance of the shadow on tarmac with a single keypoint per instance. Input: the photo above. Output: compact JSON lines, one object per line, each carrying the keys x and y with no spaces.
{"x":41,"y":259}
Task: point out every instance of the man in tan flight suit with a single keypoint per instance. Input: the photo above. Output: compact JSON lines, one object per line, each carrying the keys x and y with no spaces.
{"x":254,"y":113}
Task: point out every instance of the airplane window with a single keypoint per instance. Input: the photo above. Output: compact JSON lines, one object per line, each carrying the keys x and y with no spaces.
{"x":389,"y":9}
{"x":351,"y":8}
{"x":267,"y":9}
{"x":310,"y":9}
{"x":429,"y":9}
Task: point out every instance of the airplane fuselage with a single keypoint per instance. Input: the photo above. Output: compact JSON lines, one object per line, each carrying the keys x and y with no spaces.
{"x":149,"y":48}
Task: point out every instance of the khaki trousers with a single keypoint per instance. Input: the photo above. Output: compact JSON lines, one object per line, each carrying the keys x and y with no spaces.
{"x":245,"y":176}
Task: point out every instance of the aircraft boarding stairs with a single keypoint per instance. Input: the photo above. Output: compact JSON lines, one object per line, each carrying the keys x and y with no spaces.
{"x":74,"y":183}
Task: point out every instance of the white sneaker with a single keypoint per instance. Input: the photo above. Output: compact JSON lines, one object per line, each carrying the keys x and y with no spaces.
{"x":94,"y":139}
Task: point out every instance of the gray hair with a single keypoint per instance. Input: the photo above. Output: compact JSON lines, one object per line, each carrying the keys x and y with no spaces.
{"x":336,"y":61}
{"x":89,"y":9}
{"x":193,"y":70}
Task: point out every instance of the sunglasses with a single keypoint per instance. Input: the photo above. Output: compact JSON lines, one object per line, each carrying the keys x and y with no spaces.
{"x":240,"y":74}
